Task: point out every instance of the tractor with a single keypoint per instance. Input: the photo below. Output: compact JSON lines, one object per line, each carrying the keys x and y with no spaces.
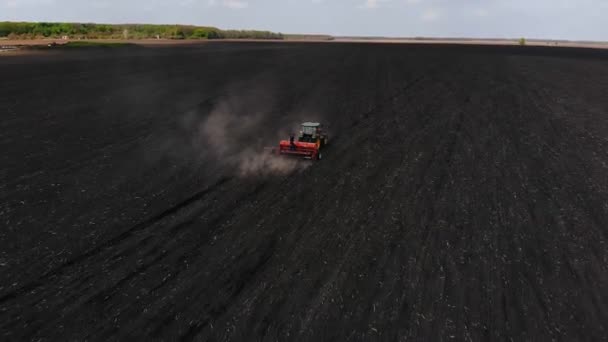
{"x":309,"y":143}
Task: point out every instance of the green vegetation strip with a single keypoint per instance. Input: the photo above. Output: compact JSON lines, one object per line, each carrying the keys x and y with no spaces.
{"x":28,"y":30}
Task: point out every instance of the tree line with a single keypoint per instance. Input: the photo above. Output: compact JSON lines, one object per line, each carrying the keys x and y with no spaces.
{"x":27,"y":30}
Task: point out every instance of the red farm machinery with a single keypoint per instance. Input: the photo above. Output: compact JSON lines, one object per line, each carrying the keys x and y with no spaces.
{"x":309,"y":143}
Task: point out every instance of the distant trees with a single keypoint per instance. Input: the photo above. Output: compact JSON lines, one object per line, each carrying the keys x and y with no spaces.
{"x":248,"y":34}
{"x":25,"y":30}
{"x":308,"y":37}
{"x":522,"y":41}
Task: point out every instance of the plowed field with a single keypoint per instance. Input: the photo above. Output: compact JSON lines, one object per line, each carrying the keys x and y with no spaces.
{"x":464,"y":193}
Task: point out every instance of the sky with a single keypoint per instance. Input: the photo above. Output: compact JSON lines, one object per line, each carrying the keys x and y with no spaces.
{"x":545,"y":19}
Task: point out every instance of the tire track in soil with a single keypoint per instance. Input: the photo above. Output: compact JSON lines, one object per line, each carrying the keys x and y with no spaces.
{"x":101,"y":247}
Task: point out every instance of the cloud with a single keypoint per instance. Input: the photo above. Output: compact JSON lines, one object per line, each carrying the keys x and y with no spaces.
{"x":186,"y":3}
{"x":100,"y":4}
{"x":371,"y":4}
{"x":235,"y":4}
{"x":430,"y":14}
{"x":24,"y":3}
{"x":480,"y":12}
{"x":232,"y":4}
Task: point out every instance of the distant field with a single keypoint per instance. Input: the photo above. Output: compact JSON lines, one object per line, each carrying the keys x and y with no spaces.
{"x":600,"y":45}
{"x":304,"y":38}
{"x":34,"y":42}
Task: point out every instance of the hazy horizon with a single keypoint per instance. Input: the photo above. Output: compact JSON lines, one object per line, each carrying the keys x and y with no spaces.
{"x":543,"y":19}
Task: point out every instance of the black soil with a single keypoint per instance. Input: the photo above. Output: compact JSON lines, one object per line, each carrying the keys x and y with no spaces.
{"x":464,"y":194}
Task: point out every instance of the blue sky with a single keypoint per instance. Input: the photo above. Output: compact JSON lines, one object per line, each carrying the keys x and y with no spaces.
{"x":550,"y":19}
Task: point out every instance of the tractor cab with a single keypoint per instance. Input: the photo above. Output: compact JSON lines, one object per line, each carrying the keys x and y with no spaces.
{"x":312,"y":132}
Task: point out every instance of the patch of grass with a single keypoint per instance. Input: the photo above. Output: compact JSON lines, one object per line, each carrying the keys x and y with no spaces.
{"x":82,"y":44}
{"x":79,"y":45}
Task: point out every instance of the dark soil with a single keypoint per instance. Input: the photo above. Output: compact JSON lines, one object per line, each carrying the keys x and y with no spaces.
{"x":464,"y":194}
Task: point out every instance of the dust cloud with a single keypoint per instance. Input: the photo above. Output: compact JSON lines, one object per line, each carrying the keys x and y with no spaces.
{"x":266,"y":163}
{"x":239,"y":141}
{"x":238,"y":131}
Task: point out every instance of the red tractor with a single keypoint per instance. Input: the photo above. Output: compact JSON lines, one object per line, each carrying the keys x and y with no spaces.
{"x":311,"y":140}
